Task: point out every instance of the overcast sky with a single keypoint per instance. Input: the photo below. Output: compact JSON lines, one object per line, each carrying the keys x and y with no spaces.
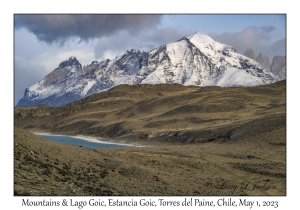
{"x":41,"y":42}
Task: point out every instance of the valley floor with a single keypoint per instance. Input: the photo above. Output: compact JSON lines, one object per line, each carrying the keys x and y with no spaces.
{"x":253,"y":165}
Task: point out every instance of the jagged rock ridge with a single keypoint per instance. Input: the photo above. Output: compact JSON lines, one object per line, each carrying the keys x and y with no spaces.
{"x":277,"y":67}
{"x":195,"y":60}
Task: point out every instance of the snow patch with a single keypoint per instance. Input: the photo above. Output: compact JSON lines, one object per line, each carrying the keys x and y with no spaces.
{"x":238,"y":77}
{"x":88,"y":86}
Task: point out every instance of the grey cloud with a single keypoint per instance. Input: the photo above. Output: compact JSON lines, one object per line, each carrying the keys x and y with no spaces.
{"x":267,"y":28}
{"x":277,"y":48}
{"x":25,"y":75}
{"x":164,"y":35}
{"x":146,"y":40}
{"x":60,"y":28}
{"x":257,"y":38}
{"x":249,"y":37}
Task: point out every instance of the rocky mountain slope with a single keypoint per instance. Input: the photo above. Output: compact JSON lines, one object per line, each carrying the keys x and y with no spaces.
{"x":195,"y":60}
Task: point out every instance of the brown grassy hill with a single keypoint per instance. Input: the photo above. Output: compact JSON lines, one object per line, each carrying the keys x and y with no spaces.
{"x":169,"y":113}
{"x":236,"y":136}
{"x":43,"y":167}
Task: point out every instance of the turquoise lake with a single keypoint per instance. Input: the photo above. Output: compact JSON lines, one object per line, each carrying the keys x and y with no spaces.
{"x":82,"y":142}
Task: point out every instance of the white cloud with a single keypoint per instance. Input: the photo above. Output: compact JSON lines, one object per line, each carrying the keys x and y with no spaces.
{"x":111,"y":54}
{"x":52,"y":60}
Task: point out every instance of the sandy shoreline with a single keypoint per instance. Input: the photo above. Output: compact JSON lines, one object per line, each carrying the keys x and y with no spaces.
{"x":95,"y":139}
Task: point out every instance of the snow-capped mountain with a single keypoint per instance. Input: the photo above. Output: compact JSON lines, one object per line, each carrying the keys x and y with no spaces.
{"x":195,"y":60}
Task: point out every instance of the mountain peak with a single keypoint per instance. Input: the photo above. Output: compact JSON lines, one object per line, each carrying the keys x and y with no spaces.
{"x":72,"y":61}
{"x":205,"y":38}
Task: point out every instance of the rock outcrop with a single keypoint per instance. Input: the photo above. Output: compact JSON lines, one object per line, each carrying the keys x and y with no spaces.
{"x":250,"y":53}
{"x":278,"y":66}
{"x":264,"y":61}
